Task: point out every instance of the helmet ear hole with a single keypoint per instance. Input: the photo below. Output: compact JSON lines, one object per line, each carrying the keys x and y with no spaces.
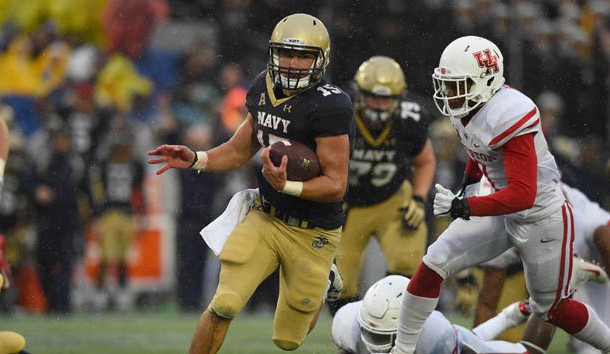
{"x":490,"y":81}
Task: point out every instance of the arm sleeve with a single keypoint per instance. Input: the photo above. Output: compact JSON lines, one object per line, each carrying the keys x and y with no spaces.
{"x":520,"y":165}
{"x":472,"y":172}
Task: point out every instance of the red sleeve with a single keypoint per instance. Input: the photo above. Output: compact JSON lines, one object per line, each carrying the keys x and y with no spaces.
{"x":472,"y":172}
{"x":521,"y":167}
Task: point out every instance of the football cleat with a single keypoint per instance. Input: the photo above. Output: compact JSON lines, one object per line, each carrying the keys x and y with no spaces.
{"x":584,"y":271}
{"x":335,"y":284}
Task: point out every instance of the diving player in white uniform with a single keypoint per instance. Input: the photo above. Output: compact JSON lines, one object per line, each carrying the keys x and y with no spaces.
{"x":369,"y":326}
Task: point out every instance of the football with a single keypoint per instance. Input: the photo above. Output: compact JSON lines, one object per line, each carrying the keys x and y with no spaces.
{"x":303,"y":162}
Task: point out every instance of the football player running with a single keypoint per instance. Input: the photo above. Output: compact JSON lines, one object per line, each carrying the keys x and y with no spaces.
{"x":295,"y":226}
{"x":391,"y":138}
{"x":591,"y":241}
{"x":369,"y":326}
{"x":499,"y":127}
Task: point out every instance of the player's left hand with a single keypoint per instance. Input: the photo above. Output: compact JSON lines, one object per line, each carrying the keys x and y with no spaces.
{"x":414,"y":213}
{"x":446,"y":203}
{"x":275,"y":175}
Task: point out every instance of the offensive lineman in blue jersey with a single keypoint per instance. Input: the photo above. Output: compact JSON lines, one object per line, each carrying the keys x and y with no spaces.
{"x":386,"y":199}
{"x":295,"y":226}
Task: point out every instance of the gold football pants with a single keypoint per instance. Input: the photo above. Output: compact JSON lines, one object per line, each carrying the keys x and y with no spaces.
{"x":402,"y":248}
{"x":258,"y":246}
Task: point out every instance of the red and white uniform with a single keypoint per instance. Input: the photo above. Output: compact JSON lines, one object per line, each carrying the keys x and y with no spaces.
{"x":504,"y":142}
{"x":438,"y":335}
{"x":589,"y":216}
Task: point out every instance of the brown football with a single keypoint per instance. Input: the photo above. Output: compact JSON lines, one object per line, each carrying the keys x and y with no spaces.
{"x":303,"y":162}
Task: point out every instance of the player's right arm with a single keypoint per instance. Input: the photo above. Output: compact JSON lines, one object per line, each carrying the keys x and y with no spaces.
{"x":226,"y":157}
{"x":601,"y":240}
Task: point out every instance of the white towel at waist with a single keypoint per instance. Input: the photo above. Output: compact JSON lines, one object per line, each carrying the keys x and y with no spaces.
{"x":216,"y":233}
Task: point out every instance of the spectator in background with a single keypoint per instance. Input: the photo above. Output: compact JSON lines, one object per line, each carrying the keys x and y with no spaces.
{"x":197,"y":193}
{"x":129,"y":25}
{"x":87,"y":121}
{"x":50,"y":67}
{"x":16,"y":68}
{"x":56,"y":184}
{"x":232,"y":106}
{"x":119,"y":82}
{"x":196,"y":92}
{"x":119,"y":178}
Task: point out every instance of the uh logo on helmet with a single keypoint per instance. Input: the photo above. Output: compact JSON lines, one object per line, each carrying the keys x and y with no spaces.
{"x":298,"y":32}
{"x":471,"y":69}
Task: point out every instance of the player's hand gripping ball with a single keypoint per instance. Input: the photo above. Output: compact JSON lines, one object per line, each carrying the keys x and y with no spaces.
{"x":303,"y":163}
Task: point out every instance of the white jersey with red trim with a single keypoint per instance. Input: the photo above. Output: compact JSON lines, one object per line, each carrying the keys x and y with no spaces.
{"x":438,"y":335}
{"x":509,"y":114}
{"x":588,"y":216}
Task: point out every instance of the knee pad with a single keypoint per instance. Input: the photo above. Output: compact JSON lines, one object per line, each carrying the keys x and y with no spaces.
{"x":227,"y":305}
{"x":286,"y":345}
{"x":436,"y":259}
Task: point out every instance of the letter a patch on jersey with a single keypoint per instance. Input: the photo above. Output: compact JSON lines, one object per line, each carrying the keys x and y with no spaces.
{"x":262,"y":101}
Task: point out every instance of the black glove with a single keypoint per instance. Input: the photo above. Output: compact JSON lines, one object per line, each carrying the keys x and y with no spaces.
{"x":446,"y":203}
{"x":460,"y":208}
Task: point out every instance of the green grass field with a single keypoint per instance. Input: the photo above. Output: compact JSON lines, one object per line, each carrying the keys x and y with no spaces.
{"x":165,"y":332}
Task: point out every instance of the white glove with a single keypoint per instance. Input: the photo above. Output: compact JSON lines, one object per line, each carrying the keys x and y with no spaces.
{"x":442,"y":200}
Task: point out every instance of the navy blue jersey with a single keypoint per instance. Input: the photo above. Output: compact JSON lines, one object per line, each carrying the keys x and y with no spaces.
{"x":380,"y":161}
{"x":322,"y":110}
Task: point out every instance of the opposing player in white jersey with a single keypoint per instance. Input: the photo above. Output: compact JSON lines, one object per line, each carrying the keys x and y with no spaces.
{"x":369,"y":325}
{"x":591,"y":238}
{"x":499,"y":127}
{"x":592,"y":241}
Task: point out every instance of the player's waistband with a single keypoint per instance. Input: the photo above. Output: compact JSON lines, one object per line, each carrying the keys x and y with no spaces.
{"x":287,"y":219}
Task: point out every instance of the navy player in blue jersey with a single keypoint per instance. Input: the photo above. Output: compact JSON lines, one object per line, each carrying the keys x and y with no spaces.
{"x":391,"y":171}
{"x":294,"y":226}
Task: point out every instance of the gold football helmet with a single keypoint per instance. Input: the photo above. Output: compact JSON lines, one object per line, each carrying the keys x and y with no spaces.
{"x":299,"y":32}
{"x":379,"y":78}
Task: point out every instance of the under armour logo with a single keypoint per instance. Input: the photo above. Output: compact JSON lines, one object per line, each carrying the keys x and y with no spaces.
{"x":487,"y":60}
{"x":305,"y":164}
{"x":319,"y":242}
{"x":287,"y":108}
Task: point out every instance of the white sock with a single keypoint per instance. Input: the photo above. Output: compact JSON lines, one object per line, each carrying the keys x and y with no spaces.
{"x":595,"y":333}
{"x":491,"y":328}
{"x":509,"y":317}
{"x":414,"y":312}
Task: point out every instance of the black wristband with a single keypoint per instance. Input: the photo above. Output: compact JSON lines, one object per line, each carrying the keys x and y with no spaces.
{"x":195,"y":160}
{"x":419,"y":199}
{"x":460,"y":208}
{"x":466,"y":181}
